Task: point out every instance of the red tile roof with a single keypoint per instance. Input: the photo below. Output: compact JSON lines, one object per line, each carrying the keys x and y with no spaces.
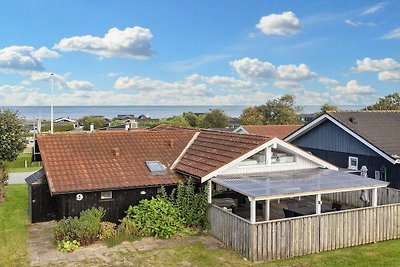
{"x":212,"y":150}
{"x":280,"y":131}
{"x":87,"y":161}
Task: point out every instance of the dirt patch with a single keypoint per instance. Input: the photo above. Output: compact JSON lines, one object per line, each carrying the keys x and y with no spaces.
{"x":41,"y":250}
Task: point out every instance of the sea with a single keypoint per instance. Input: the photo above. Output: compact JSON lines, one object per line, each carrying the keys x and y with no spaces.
{"x":75,"y":112}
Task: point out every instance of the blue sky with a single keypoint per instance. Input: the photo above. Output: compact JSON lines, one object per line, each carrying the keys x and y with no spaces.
{"x":198,"y":52}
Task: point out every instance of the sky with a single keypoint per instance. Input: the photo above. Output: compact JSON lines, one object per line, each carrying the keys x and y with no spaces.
{"x":198,"y":52}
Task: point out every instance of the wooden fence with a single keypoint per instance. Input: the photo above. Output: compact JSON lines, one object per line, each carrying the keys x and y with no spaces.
{"x":309,"y":234}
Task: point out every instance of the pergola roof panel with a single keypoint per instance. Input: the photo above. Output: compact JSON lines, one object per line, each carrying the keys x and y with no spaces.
{"x":293,"y":183}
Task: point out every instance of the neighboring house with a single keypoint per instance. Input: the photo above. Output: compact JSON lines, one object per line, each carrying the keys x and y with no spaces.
{"x":351,"y":140}
{"x":280,"y":131}
{"x":119,"y":169}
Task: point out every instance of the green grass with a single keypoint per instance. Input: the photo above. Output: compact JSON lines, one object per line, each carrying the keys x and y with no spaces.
{"x":18,"y":165}
{"x":13,"y":227}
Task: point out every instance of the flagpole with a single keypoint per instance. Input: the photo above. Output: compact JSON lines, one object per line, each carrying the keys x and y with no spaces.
{"x":52,"y":103}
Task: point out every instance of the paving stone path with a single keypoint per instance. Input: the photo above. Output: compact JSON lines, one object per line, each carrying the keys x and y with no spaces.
{"x":41,"y":250}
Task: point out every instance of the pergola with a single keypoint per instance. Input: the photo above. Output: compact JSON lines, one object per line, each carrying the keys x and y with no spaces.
{"x":285,"y":184}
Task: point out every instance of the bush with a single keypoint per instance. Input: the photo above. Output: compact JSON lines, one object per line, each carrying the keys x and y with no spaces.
{"x":85,"y":229}
{"x":58,"y":127}
{"x":107,"y":230}
{"x":68,"y":246}
{"x":128,"y":227}
{"x":156,"y":217}
{"x":98,"y":122}
{"x":192,"y":206}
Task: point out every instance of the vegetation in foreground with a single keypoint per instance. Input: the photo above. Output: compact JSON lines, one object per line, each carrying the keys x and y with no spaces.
{"x":13,"y":227}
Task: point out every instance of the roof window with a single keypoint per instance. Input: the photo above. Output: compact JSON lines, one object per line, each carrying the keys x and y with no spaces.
{"x":156,"y":167}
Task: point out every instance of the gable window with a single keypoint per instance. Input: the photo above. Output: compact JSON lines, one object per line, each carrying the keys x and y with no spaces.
{"x":106,"y":195}
{"x":353,"y":163}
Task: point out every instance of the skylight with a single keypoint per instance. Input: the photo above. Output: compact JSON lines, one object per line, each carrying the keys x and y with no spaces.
{"x":155,"y":167}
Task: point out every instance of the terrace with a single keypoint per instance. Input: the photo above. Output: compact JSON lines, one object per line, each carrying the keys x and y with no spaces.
{"x":276,"y":215}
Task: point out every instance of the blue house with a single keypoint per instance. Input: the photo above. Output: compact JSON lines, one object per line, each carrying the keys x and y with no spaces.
{"x":354,"y":139}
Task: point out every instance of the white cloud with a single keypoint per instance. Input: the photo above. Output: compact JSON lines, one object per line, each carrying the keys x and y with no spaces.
{"x":287,"y":84}
{"x":280,"y":24}
{"x":44,"y":52}
{"x":133,"y":43}
{"x":79,"y":85}
{"x":374,"y":8}
{"x":359,"y":23}
{"x":19,"y":58}
{"x":61,"y":81}
{"x":327,"y":81}
{"x":222,"y":81}
{"x":295,"y":73}
{"x":395,"y":34}
{"x":376,"y":65}
{"x":193,"y":63}
{"x":389,"y":76}
{"x":253,"y":69}
{"x":353,"y":88}
{"x":114,"y":74}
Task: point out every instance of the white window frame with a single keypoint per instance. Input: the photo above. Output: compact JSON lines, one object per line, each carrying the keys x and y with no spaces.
{"x":353,"y":167}
{"x":105,"y":195}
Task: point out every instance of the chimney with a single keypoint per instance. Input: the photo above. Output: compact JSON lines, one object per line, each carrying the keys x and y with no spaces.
{"x":127,"y":126}
{"x":133,"y":124}
{"x":39,"y":126}
{"x":91,"y":127}
{"x":171,"y":143}
{"x":116,"y":151}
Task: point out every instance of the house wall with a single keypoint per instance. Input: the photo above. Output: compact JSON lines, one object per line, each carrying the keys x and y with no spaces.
{"x":47,"y":207}
{"x":301,"y":163}
{"x":373,"y":164}
{"x":333,"y":144}
{"x":328,"y":136}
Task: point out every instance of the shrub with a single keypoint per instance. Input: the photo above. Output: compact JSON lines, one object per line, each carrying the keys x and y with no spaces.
{"x":192,"y":206}
{"x":68,"y":246}
{"x":157,"y":217}
{"x":128,"y":227}
{"x":85,"y":229}
{"x":107,"y":230}
{"x":58,"y":127}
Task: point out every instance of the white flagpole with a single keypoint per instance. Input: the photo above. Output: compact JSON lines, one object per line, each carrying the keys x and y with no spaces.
{"x":52,"y":85}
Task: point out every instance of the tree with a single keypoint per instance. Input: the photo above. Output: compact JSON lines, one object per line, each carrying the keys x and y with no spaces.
{"x":281,"y":110}
{"x":177,"y":120}
{"x":98,"y":122}
{"x":388,"y":102}
{"x":216,"y":118}
{"x":191,"y":118}
{"x":326,"y":107}
{"x":117,"y":122}
{"x":12,"y":136}
{"x":252,"y":116}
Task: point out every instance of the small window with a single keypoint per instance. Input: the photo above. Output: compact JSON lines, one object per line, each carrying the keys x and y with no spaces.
{"x":106,"y":195}
{"x":353,"y":163}
{"x":156,"y":167}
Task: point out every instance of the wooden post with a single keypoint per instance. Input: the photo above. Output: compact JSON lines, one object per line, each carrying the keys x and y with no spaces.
{"x":267,"y":210}
{"x":252,"y":210}
{"x":318,"y":203}
{"x":209,"y":195}
{"x":374,"y":197}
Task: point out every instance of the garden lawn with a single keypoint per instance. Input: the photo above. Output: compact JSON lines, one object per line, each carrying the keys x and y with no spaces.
{"x":198,"y":254}
{"x":13,"y":227}
{"x":18,"y":165}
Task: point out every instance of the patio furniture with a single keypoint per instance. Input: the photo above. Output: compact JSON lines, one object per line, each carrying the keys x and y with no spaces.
{"x":228,"y":203}
{"x":288,"y":213}
{"x":336,"y":206}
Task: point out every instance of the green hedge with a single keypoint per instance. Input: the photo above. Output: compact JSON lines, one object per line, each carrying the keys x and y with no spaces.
{"x":58,"y":127}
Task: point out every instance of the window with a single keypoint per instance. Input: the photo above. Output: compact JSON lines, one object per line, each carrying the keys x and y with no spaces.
{"x":106,"y":195}
{"x":353,"y":163}
{"x":156,"y":167}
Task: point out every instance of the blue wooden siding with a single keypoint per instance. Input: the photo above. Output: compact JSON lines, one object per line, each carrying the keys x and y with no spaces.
{"x":328,"y":136}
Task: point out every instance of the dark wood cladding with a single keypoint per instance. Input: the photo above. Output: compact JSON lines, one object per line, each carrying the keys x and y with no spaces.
{"x":46,"y":208}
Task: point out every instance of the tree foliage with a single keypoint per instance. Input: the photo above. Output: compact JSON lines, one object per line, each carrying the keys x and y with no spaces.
{"x":277,"y":111}
{"x":191,"y":118}
{"x":216,"y":118}
{"x":327,"y":107}
{"x":388,"y":102}
{"x":177,"y":120}
{"x":12,"y":142}
{"x":98,"y":122}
